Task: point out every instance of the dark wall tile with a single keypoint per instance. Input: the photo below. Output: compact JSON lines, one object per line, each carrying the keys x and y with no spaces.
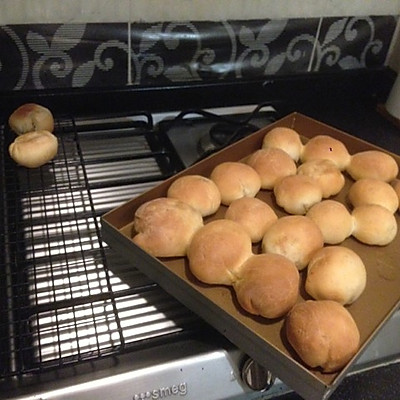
{"x":352,"y":43}
{"x":59,"y":56}
{"x":165,"y":52}
{"x":98,"y":55}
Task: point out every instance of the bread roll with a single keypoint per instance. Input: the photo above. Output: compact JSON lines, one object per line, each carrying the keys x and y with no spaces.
{"x":374,"y":225}
{"x":324,"y":147}
{"x":326,"y":174}
{"x":31,"y":117}
{"x":253,"y":214}
{"x":218,"y":250}
{"x":296,"y":237}
{"x":268,"y":285}
{"x":373,"y":164}
{"x":396,"y":186}
{"x":296,"y":194}
{"x":164,"y":227}
{"x":333,"y":219}
{"x":271,"y":165}
{"x":373,"y":191}
{"x":323,"y":333}
{"x":286,"y":139}
{"x":198,"y":191}
{"x":336,"y":273}
{"x":33,"y":149}
{"x":235,"y":180}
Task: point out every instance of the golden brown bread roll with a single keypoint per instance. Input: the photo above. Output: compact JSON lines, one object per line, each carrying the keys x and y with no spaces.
{"x":296,"y":194}
{"x":373,"y":191}
{"x":374,"y":225}
{"x":235,"y":180}
{"x":373,"y":164}
{"x":324,"y":147}
{"x":333,"y":219}
{"x":198,"y":191}
{"x":323,"y":333}
{"x":268,"y":285}
{"x":336,"y":273}
{"x":296,"y":237}
{"x":218,"y":250}
{"x":271,"y":165}
{"x":253,"y":214}
{"x":286,"y":139}
{"x":164,"y":227}
{"x":396,"y":186}
{"x":326,"y":174}
{"x":31,"y":117}
{"x":33,"y":149}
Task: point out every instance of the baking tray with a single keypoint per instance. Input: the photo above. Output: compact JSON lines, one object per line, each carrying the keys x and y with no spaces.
{"x":260,"y":338}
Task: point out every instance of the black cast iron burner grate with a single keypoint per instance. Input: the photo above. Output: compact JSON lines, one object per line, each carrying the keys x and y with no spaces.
{"x":61,"y":301}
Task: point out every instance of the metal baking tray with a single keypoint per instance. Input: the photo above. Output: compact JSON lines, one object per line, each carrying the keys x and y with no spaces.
{"x":260,"y":338}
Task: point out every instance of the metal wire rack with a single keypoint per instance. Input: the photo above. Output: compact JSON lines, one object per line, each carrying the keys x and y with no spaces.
{"x":65,"y":297}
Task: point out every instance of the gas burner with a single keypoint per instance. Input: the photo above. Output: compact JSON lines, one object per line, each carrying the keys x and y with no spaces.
{"x":221,"y":135}
{"x":197,"y":134}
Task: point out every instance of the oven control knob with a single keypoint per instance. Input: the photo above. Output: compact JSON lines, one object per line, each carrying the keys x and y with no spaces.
{"x":256,"y":376}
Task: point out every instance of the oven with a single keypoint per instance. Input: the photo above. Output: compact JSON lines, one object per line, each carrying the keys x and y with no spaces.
{"x":77,"y":321}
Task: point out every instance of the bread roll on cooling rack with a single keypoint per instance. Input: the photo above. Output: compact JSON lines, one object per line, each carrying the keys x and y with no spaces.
{"x":326,"y":174}
{"x":296,"y":237}
{"x":296,"y":194}
{"x":374,"y":225}
{"x":198,"y":191}
{"x":336,"y":273}
{"x":218,"y":250}
{"x":324,"y":147}
{"x":31,"y":117}
{"x":235,"y":180}
{"x":268,"y":285}
{"x":271,"y":165}
{"x":164,"y":227}
{"x":323,"y":333}
{"x":333,"y":219}
{"x":33,"y":149}
{"x":253,"y":214}
{"x":372,"y":164}
{"x":373,"y":191}
{"x":286,"y":139}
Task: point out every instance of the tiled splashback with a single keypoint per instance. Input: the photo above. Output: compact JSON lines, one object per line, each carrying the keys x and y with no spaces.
{"x":43,"y":56}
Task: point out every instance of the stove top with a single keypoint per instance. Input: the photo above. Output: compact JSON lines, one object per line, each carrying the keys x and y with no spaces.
{"x":76,"y":313}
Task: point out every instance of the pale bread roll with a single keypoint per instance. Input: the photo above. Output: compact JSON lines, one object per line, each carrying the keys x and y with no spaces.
{"x":326,"y":174}
{"x":324,"y":147}
{"x":286,"y":139}
{"x":296,"y":237}
{"x":333,"y":219}
{"x":34,"y":149}
{"x":373,"y":164}
{"x":253,"y":214}
{"x":218,"y":250}
{"x":373,"y":191}
{"x":31,"y":117}
{"x":323,"y":333}
{"x":296,"y":194}
{"x":198,"y":191}
{"x":336,"y":273}
{"x":396,"y":186}
{"x":235,"y":180}
{"x":374,"y":225}
{"x":271,"y":165}
{"x":268,"y":285}
{"x":164,"y":227}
